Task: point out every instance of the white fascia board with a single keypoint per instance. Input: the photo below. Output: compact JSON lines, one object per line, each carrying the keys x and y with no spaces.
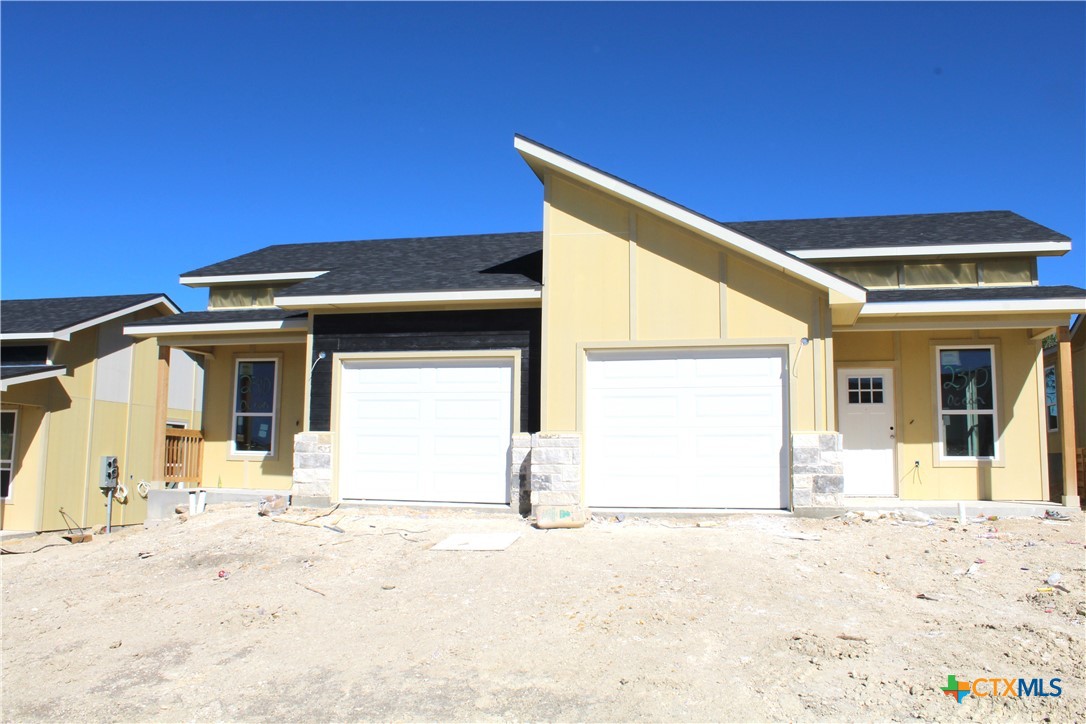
{"x":28,"y":336}
{"x":31,"y":378}
{"x":162,"y":330}
{"x":1044,"y":248}
{"x":684,"y":217}
{"x":119,"y":313}
{"x":65,"y":335}
{"x":329,"y":300}
{"x":1006,"y":306}
{"x":249,"y":278}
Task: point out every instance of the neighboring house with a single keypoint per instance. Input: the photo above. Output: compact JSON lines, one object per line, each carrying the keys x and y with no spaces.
{"x":1065,"y":402}
{"x":666,"y":360}
{"x":74,"y":388}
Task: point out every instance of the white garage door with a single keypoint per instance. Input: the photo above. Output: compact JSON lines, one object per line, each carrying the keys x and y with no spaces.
{"x":686,"y":429}
{"x":426,"y":431}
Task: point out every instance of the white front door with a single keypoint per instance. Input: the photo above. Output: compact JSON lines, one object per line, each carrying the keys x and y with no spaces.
{"x":431,"y":430}
{"x":865,"y":413}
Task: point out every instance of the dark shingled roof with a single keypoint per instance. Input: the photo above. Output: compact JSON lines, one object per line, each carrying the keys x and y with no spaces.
{"x":478,"y":261}
{"x":979,"y":294}
{"x":30,"y":316}
{"x":857,"y":232}
{"x":11,"y":372}
{"x":228,"y":316}
{"x":972,"y":227}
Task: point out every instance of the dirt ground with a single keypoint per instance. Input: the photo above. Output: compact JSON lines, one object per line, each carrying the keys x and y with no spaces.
{"x":739,"y":618}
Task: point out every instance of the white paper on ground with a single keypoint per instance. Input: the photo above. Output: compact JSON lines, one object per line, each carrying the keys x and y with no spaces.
{"x":477,"y":542}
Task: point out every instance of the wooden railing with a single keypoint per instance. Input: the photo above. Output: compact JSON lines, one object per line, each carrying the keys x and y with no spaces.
{"x":184,"y":456}
{"x":1080,"y":467}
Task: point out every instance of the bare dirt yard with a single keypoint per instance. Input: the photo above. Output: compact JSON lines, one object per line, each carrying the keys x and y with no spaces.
{"x":739,"y":618}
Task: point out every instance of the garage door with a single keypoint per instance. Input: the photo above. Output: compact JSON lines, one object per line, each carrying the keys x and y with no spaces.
{"x":426,"y":431}
{"x":689,"y":429}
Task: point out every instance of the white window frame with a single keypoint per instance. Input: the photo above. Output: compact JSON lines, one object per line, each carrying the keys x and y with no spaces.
{"x":274,"y":414}
{"x":939,"y":412}
{"x":9,"y":465}
{"x":1055,"y":406}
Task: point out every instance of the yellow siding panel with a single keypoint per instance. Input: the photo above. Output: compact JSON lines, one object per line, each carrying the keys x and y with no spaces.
{"x":864,"y":347}
{"x":677,"y":283}
{"x":1017,"y":473}
{"x":21,"y":512}
{"x":220,"y":468}
{"x":677,"y":297}
{"x":587,"y":289}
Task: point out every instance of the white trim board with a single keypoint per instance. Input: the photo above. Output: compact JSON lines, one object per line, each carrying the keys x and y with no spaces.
{"x":491,"y":295}
{"x":65,"y":335}
{"x":841,"y":290}
{"x":162,"y":330}
{"x":48,"y":374}
{"x":968,"y":306}
{"x":207,"y":281}
{"x":1044,"y":248}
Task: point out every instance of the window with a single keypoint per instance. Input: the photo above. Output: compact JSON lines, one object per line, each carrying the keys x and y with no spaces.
{"x":1050,"y":399}
{"x":865,"y":390}
{"x":967,"y":402}
{"x":255,"y":385}
{"x":7,"y":451}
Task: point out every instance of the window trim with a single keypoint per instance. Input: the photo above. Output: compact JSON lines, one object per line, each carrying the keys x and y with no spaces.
{"x":14,"y":454}
{"x":234,"y":453}
{"x":1055,"y":406}
{"x":940,"y":443}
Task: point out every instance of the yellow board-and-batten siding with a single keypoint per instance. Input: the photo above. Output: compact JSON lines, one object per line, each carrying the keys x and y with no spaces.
{"x":1019,"y":470}
{"x":221,"y":466}
{"x":619,"y":275}
{"x":104,"y":405}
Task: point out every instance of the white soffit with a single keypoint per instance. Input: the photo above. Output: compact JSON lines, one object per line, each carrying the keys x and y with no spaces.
{"x":841,"y":291}
{"x":1043,"y":248}
{"x":207,"y":281}
{"x":1006,"y":306}
{"x":271,"y":325}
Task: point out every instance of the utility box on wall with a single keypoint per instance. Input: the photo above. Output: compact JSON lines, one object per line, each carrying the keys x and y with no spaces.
{"x":108,"y":472}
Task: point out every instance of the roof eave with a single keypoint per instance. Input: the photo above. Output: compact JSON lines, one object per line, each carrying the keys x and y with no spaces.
{"x":217,"y":328}
{"x":542,"y":159}
{"x":65,"y":334}
{"x":1032,"y":248}
{"x":968,"y":306}
{"x":208,"y":280}
{"x":31,"y":377}
{"x":452,"y":297}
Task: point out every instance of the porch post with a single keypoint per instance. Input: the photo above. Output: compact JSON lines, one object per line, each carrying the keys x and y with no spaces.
{"x":1066,"y":419}
{"x":162,"y":399}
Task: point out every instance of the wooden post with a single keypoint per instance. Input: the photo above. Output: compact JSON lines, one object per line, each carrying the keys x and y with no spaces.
{"x":1065,"y":406}
{"x":162,"y":403}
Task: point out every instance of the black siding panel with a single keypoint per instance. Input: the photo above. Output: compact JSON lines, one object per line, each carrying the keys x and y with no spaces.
{"x":427,"y":332}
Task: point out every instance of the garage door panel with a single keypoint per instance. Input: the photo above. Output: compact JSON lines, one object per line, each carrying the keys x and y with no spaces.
{"x":382,"y":408}
{"x":384,"y":443}
{"x":441,"y":433}
{"x":468,"y":410}
{"x":705,"y":428}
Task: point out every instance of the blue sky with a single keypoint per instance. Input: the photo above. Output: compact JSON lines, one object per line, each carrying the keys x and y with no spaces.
{"x":141,"y":140}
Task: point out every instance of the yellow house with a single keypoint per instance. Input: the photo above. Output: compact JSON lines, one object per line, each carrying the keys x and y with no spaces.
{"x":74,"y":390}
{"x":635,"y":354}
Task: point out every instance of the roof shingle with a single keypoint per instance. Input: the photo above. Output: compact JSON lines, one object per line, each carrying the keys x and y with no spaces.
{"x":31,"y":316}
